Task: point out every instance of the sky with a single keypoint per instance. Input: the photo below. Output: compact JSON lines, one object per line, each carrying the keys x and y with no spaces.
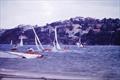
{"x":40,"y":12}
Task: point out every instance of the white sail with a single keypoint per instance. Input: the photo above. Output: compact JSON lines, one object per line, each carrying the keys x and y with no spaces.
{"x":11,"y":42}
{"x":21,"y":41}
{"x":37,"y":45}
{"x":54,"y":47}
{"x":79,"y":44}
{"x":21,"y":37}
{"x":57,"y":44}
{"x":37,"y":39}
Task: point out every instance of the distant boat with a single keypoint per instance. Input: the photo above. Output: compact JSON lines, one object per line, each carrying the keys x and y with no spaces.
{"x":21,"y":37}
{"x":56,"y":46}
{"x":14,"y":48}
{"x":79,"y":44}
{"x":11,"y":42}
{"x":21,"y":41}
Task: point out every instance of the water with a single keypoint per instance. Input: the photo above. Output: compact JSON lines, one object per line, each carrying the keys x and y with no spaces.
{"x":94,"y":61}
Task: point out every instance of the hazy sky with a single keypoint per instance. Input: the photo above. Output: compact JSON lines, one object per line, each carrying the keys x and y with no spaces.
{"x":40,"y":12}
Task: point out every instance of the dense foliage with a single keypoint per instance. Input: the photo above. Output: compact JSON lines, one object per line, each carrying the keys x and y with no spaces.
{"x":89,"y":31}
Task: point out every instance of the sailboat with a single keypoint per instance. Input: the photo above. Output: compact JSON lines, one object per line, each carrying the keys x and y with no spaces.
{"x":11,"y":42}
{"x":21,"y":41}
{"x":21,"y":37}
{"x":39,"y":47}
{"x":79,"y":44}
{"x":56,"y":46}
{"x":56,"y":40}
{"x":37,"y":41}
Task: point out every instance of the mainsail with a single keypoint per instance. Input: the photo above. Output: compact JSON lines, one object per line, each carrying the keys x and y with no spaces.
{"x":37,"y":40}
{"x":37,"y":45}
{"x":54,"y":47}
{"x":21,"y":41}
{"x":21,"y":37}
{"x":11,"y":42}
{"x":55,"y":43}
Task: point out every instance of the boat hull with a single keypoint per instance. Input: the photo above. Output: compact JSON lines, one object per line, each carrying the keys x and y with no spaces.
{"x":26,"y":55}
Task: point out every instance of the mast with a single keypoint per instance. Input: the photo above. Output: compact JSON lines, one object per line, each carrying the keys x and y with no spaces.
{"x":37,"y":39}
{"x":36,"y":43}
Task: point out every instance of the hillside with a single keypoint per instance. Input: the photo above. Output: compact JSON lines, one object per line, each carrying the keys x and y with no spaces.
{"x":91,"y":32}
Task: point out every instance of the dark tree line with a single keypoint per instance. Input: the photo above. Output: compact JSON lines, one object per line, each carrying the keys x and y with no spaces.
{"x":89,"y":30}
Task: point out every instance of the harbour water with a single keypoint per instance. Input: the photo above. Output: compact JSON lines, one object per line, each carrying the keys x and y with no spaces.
{"x":87,"y":63}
